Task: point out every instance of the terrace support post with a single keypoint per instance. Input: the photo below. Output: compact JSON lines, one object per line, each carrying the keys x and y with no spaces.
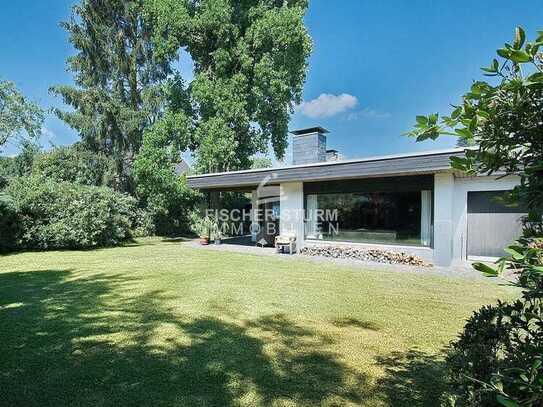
{"x":214,"y":200}
{"x":443,"y":219}
{"x":254,"y":209}
{"x":291,"y":221}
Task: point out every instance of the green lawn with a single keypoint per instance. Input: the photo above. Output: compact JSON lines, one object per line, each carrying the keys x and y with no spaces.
{"x":163,"y":324}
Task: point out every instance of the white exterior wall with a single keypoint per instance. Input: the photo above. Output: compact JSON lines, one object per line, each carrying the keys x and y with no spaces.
{"x":460,"y":207}
{"x":451,"y":212}
{"x":443,"y":218}
{"x":450,"y":216}
{"x":254,"y":207}
{"x":292,"y":211}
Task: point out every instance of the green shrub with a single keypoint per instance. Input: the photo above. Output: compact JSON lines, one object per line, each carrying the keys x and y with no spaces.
{"x":498,"y":348}
{"x":142,"y":223}
{"x":165,"y":196}
{"x":498,"y":358}
{"x":19,"y":165}
{"x":65,"y":215}
{"x":75,"y":164}
{"x":206,"y":227}
{"x":163,"y":193}
{"x":9,"y":223}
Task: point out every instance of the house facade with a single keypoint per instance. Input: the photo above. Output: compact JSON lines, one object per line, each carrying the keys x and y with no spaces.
{"x":413,"y":203}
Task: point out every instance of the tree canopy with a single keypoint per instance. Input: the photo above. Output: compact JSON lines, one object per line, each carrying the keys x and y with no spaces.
{"x":250,"y":61}
{"x":130,"y":102}
{"x":118,"y":91}
{"x":18,"y":115}
{"x":261,"y":162}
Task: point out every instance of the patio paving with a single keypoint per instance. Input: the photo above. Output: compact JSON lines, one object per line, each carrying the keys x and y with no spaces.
{"x":244,"y":244}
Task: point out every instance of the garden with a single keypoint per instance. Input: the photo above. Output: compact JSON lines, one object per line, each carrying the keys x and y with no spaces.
{"x":158,"y":322}
{"x":103,"y":303}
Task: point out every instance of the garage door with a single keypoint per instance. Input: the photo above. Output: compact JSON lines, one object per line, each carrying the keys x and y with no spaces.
{"x":492,"y":225}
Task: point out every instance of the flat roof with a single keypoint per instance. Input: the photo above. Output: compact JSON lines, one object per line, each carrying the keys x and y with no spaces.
{"x":381,"y":166}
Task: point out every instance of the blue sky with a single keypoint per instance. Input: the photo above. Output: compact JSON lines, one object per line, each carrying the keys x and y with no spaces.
{"x":375,"y":64}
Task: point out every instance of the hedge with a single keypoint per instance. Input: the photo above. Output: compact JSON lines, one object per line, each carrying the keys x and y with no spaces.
{"x":62,"y":215}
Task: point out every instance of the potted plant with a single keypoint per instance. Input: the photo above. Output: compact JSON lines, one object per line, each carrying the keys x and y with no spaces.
{"x":202,"y":227}
{"x":204,"y":238}
{"x":217,"y":235}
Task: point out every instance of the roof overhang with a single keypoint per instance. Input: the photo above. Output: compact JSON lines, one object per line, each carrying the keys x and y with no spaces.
{"x":387,"y":166}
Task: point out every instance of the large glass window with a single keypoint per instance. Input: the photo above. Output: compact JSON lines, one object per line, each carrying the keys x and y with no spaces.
{"x":403,"y":218}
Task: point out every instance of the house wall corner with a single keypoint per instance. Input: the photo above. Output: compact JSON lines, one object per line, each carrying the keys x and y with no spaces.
{"x":292,"y":211}
{"x":443,"y":218}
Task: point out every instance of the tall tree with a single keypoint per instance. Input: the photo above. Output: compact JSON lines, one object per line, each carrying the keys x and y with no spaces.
{"x":18,"y":115}
{"x":250,"y":61}
{"x":164,"y":193}
{"x":117,"y":92}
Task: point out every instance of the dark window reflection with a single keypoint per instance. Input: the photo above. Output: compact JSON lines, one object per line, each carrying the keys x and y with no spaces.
{"x":380,"y":217}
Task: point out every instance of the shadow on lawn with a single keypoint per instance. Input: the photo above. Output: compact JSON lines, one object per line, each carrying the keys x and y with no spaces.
{"x":412,"y":378}
{"x":67,"y":340}
{"x":348,"y":322}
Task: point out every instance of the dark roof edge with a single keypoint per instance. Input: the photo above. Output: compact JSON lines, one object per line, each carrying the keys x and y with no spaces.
{"x":309,"y":130}
{"x":332,"y":163}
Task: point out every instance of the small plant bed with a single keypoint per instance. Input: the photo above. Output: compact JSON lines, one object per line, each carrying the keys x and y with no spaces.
{"x":371,"y":255}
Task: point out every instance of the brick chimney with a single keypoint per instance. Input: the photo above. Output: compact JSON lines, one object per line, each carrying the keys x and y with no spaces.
{"x":309,"y":145}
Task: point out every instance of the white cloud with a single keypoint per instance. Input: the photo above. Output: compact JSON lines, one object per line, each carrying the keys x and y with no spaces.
{"x":327,"y":105}
{"x":368,"y":113}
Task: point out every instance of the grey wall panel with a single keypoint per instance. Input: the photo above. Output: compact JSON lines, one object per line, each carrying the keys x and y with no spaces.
{"x":490,"y":233}
{"x":424,"y":164}
{"x":492,"y":226}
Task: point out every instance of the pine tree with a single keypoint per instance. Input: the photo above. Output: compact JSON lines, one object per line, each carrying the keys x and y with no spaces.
{"x":118,"y":81}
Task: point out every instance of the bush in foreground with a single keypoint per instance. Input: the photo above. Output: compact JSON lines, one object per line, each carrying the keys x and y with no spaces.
{"x":499,"y":352}
{"x":498,"y":358}
{"x":63,"y":215}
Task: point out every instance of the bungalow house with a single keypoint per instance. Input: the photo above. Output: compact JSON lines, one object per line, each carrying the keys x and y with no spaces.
{"x":410,"y":202}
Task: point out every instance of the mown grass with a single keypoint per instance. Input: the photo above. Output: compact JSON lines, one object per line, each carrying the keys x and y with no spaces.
{"x":163,"y":324}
